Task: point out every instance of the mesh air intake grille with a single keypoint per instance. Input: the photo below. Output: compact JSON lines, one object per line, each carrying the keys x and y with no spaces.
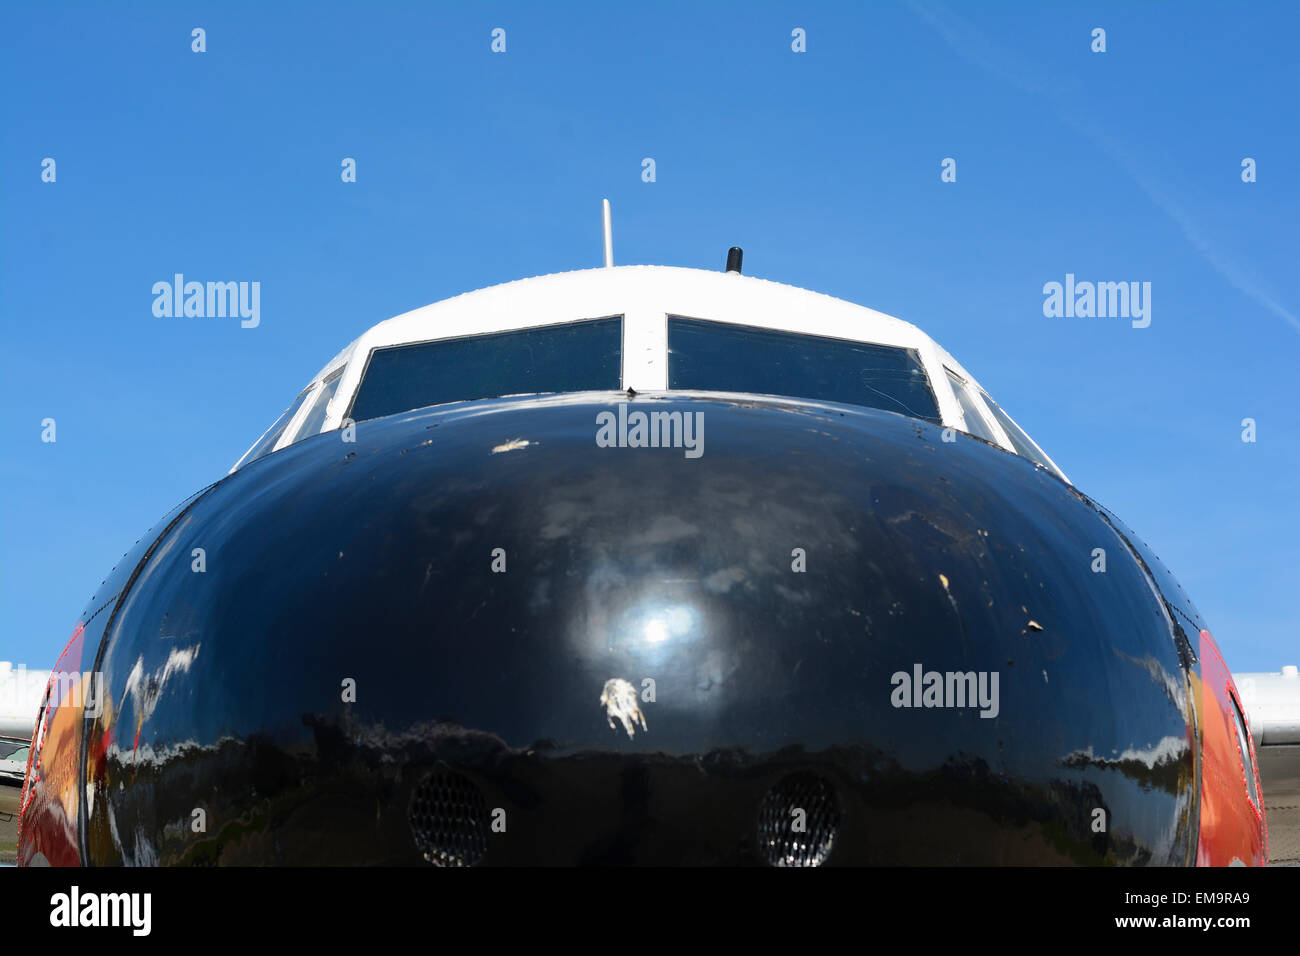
{"x":449,"y":819}
{"x":798,"y":821}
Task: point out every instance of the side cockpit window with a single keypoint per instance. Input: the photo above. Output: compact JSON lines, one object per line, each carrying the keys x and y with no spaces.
{"x":319,"y":405}
{"x":1022,"y":443}
{"x":975,"y":423}
{"x":268,"y":440}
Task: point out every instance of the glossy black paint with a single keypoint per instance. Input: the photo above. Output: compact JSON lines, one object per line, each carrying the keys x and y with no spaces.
{"x":372,"y":561}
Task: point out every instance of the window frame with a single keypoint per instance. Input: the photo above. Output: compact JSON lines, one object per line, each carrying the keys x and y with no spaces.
{"x":1246,"y":757}
{"x":976,"y":394}
{"x":300,"y":422}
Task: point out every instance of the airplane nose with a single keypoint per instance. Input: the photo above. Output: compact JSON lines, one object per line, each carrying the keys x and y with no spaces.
{"x":755,"y":631}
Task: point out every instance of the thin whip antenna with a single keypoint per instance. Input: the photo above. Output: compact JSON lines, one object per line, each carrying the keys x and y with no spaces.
{"x":609,"y":234}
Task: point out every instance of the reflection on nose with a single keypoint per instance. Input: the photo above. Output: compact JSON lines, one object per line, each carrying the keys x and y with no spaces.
{"x":661,"y":628}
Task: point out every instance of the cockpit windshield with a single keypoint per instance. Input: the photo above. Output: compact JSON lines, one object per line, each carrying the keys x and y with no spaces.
{"x":574,"y":357}
{"x":721,"y":357}
{"x":701,"y":355}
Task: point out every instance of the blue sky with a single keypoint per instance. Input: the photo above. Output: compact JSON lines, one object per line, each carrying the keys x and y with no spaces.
{"x":476,"y":168}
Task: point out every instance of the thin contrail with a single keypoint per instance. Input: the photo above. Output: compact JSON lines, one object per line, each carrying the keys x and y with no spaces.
{"x":977,"y":49}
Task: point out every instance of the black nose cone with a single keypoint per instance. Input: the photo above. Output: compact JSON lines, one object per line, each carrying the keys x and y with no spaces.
{"x":510,"y":632}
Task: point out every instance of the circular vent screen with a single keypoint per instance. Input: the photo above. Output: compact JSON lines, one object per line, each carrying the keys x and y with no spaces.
{"x":798,"y":821}
{"x":449,"y":819}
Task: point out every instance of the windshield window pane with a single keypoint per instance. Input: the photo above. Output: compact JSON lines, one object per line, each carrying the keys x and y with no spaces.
{"x":267,"y":441}
{"x":11,"y":749}
{"x":719,"y":357}
{"x":316,"y":414}
{"x":975,"y":424}
{"x":1021,"y":442}
{"x":574,"y":357}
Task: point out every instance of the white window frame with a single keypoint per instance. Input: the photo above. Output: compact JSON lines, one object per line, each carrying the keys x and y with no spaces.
{"x":992,"y":424}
